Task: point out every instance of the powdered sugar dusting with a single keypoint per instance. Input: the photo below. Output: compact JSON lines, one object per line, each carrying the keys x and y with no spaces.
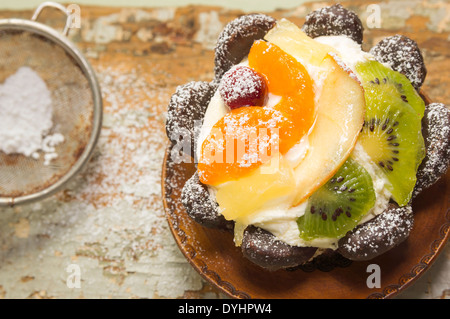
{"x":124,"y":181}
{"x":334,"y":20}
{"x":265,"y":249}
{"x":232,"y":43}
{"x":403,"y":55}
{"x":437,"y":139}
{"x":187,"y":104}
{"x":241,"y":85}
{"x":378,"y":235}
{"x":126,"y":166}
{"x":26,"y":116}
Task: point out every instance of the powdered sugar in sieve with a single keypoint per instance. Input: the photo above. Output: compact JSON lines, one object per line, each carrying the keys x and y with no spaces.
{"x":50,"y":109}
{"x":26,"y":116}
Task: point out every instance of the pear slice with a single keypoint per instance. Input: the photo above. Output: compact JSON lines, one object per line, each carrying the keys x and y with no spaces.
{"x":340,"y":117}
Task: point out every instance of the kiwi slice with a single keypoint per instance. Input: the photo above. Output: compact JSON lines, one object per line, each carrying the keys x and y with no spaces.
{"x":338,"y":206}
{"x":391,"y":134}
{"x":378,"y":78}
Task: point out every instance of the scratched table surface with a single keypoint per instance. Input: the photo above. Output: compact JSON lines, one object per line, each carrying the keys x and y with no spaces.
{"x":107,"y":227}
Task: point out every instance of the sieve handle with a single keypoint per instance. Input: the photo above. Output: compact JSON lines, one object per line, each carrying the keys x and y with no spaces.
{"x":56,"y":6}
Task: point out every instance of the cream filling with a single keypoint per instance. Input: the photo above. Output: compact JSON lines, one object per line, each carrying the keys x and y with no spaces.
{"x":349,"y":50}
{"x":278,"y":216}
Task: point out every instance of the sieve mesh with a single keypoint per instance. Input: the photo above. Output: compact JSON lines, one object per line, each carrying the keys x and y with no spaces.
{"x":73,"y":110}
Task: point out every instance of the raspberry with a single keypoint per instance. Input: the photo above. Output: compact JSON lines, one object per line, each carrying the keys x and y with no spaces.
{"x":242,"y":86}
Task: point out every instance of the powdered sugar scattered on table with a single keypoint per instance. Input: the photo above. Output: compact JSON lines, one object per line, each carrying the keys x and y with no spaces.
{"x":110,"y":220}
{"x":124,"y":182}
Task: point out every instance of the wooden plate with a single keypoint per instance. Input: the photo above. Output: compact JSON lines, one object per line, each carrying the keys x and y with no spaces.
{"x":213,"y":254}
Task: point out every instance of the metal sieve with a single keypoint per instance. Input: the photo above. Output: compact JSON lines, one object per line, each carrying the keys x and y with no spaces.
{"x":76,"y":102}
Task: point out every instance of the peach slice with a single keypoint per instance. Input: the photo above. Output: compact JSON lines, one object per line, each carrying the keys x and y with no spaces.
{"x":340,"y":117}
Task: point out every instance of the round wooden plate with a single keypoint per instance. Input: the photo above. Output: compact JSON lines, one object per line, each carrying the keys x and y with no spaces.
{"x":213,"y":254}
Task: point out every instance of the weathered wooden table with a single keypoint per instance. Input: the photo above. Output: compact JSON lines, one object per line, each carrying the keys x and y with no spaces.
{"x":108,"y":228}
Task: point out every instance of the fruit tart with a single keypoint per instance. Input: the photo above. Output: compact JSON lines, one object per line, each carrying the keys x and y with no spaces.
{"x":306,"y":144}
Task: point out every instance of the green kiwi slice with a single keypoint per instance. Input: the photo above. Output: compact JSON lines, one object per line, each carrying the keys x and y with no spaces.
{"x":338,"y":206}
{"x":376,"y":77}
{"x":391,"y":134}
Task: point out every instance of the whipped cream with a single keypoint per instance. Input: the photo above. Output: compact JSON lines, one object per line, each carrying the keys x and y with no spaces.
{"x":279,"y":216}
{"x":349,"y":50}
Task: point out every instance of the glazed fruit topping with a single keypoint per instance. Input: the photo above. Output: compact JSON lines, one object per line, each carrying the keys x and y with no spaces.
{"x":242,"y":86}
{"x":248,"y":136}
